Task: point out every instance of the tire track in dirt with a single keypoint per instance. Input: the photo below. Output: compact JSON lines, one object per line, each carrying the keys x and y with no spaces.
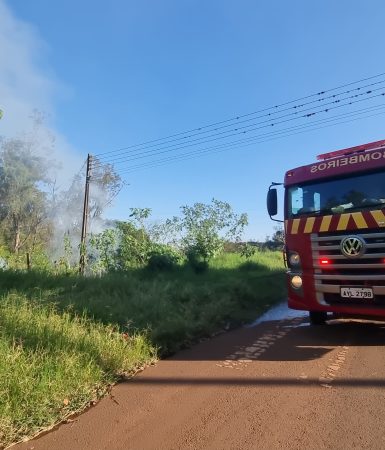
{"x":330,"y":373}
{"x":243,"y":356}
{"x":246,"y":354}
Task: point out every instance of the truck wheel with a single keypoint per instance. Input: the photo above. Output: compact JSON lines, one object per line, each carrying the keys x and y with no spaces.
{"x":317,"y":317}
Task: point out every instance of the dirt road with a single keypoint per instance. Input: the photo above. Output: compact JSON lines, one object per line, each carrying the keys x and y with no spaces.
{"x":280,"y":384}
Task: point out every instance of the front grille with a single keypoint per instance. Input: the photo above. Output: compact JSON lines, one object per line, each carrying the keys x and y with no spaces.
{"x":366,"y":270}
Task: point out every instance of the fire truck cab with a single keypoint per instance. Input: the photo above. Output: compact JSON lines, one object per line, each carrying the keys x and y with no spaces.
{"x":334,"y":219}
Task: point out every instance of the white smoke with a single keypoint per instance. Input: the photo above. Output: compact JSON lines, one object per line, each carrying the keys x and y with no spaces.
{"x":28,"y":90}
{"x":27,"y":85}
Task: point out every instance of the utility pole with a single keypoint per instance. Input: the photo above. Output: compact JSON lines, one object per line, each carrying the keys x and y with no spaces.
{"x":82,"y":262}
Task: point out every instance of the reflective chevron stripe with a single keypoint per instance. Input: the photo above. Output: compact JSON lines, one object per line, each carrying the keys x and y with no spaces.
{"x":343,"y":222}
{"x":379,"y":217}
{"x":309,"y":224}
{"x":352,"y":221}
{"x":295,"y":225}
{"x":325,"y":224}
{"x":359,"y":219}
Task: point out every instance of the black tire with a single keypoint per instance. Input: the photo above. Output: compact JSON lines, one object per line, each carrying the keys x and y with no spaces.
{"x":317,"y":317}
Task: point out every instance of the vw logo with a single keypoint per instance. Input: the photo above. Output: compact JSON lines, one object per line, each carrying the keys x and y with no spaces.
{"x":353,"y":246}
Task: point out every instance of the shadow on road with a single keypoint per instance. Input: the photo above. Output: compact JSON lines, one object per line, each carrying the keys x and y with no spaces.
{"x":254,"y":381}
{"x":311,"y":342}
{"x":301,"y":341}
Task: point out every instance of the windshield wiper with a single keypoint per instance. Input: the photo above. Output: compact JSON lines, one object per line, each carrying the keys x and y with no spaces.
{"x":369,"y":203}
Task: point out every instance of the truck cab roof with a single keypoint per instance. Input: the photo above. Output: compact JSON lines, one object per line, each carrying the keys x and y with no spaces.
{"x":364,"y":157}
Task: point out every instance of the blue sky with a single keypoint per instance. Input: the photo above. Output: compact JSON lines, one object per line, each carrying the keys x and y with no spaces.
{"x":110,"y":75}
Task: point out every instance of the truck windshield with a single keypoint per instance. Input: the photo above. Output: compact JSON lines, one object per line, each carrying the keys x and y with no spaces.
{"x":337,"y":196}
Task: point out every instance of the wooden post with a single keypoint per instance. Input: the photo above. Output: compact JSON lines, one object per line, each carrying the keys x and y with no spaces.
{"x":82,"y":262}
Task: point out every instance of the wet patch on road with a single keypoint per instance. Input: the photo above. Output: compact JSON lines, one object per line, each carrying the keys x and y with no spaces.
{"x":244,"y":355}
{"x":280,"y":312}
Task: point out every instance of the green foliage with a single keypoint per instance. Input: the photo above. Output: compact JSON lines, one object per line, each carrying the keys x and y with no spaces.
{"x":34,"y":217}
{"x":146,"y":299}
{"x":129,"y":245}
{"x":161,"y":262}
{"x":277,"y":242}
{"x":38,"y":260}
{"x":139,"y":215}
{"x":68,"y":250}
{"x":32,"y":223}
{"x":22,"y":202}
{"x":204,"y":230}
{"x":134,"y":246}
{"x":247,"y":250}
{"x":167,"y":232}
{"x":105,"y":244}
{"x":197,"y":262}
{"x":163,"y":258}
{"x":206,"y":227}
{"x":134,"y":243}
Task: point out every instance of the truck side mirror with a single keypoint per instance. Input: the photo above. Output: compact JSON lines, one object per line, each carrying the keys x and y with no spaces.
{"x":272,"y":202}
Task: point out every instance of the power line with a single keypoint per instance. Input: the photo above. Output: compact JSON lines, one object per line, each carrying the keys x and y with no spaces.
{"x":296,"y":110}
{"x":182,"y":158}
{"x":339,"y":103}
{"x":81,"y":169}
{"x":258,"y":139}
{"x":234,"y":119}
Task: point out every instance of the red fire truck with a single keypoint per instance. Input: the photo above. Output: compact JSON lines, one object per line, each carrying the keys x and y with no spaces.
{"x":334,"y":213}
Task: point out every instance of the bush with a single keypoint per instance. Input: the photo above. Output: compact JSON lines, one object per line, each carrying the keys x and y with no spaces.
{"x":196,"y":261}
{"x":161,"y":262}
{"x":248,"y":251}
{"x":162,"y":258}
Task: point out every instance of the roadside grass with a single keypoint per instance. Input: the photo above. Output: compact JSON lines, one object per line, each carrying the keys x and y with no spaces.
{"x":53,"y":365}
{"x":178,"y":307}
{"x":65,"y":339}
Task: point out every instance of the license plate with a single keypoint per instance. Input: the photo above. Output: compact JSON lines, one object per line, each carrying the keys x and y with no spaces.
{"x":356,"y":292}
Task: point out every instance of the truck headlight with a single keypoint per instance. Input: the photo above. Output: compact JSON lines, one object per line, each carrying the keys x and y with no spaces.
{"x":294,"y":259}
{"x":296,"y":281}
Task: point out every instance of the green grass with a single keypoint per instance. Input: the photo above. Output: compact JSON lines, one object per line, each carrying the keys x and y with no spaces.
{"x":59,"y":351}
{"x":52,"y":365}
{"x":178,"y":307}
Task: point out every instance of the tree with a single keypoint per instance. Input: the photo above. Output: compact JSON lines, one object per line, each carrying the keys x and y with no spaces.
{"x":67,"y":208}
{"x":105,"y":244}
{"x":279,"y":237}
{"x":277,"y":241}
{"x":206,"y":227}
{"x":23,"y":201}
{"x":134,"y":241}
{"x":106,"y":184}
